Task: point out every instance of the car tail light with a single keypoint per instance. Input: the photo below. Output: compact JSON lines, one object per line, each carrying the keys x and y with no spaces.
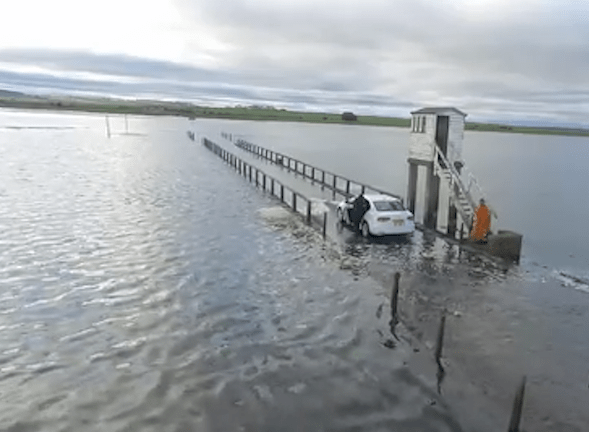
{"x":383,"y":219}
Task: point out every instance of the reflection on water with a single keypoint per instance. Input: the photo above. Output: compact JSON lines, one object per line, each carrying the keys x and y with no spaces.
{"x":142,"y":290}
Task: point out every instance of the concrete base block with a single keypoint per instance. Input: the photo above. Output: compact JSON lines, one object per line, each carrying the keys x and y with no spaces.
{"x":505,"y":244}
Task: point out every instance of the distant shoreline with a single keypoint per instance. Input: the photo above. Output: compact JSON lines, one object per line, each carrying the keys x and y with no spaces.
{"x":149,"y":107}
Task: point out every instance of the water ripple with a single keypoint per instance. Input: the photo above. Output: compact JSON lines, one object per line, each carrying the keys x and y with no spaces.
{"x":141,"y":290}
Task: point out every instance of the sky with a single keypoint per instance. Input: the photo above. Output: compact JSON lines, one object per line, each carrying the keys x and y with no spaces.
{"x":518,"y":61}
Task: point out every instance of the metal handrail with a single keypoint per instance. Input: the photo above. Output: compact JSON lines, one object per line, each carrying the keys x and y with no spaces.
{"x":454,"y":172}
{"x":474,"y":182}
{"x":457,"y":178}
{"x":248,"y":146}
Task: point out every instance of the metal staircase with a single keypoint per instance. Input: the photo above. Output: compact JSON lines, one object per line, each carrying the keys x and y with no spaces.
{"x":464,"y":198}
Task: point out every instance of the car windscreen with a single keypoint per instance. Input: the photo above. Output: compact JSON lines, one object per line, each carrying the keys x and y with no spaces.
{"x":388,"y":206}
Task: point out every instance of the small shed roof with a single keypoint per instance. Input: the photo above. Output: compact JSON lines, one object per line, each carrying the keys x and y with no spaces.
{"x":437,"y":110}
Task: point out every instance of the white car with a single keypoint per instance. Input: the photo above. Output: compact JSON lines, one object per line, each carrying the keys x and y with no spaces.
{"x":386,"y":216}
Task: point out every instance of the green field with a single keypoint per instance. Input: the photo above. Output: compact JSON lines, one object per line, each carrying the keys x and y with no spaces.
{"x":147,"y":107}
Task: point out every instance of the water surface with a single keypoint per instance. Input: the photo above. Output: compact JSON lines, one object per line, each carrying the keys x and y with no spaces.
{"x":144,"y":286}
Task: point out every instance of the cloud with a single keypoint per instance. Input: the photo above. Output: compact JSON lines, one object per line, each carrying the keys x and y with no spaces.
{"x":492,"y":58}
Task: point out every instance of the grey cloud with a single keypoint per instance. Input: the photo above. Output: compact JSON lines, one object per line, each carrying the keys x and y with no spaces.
{"x":199,"y":92}
{"x":543,"y":45}
{"x":379,"y":56}
{"x":118,"y":65}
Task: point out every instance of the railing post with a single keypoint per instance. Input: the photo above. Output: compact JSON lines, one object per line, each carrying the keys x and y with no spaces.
{"x":348,"y":187}
{"x":309,"y":212}
{"x":324,"y":225}
{"x":282,"y":193}
{"x":313,"y":173}
{"x":294,"y":201}
{"x":264,"y":181}
{"x":272,"y":185}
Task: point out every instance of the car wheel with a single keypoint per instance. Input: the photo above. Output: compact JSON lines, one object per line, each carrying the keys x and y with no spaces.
{"x":365,"y":229}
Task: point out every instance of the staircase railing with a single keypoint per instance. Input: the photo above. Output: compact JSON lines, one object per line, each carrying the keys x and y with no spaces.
{"x":466,"y":192}
{"x":474,"y":185}
{"x":457,"y":188}
{"x":439,"y":155}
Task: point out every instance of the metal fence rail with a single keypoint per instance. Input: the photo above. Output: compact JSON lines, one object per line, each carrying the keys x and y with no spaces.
{"x":338,"y":184}
{"x":294,"y":200}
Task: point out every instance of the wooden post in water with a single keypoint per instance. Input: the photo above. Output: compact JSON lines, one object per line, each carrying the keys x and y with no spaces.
{"x":394,"y":305}
{"x":107,"y":127}
{"x":438,"y":354}
{"x":440,"y":339}
{"x":395,"y":299}
{"x":518,"y":403}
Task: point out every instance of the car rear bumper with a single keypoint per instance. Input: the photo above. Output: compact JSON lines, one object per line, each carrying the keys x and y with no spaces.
{"x":380,"y":229}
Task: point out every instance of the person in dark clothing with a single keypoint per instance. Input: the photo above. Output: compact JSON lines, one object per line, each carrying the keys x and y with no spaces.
{"x":358,"y":210}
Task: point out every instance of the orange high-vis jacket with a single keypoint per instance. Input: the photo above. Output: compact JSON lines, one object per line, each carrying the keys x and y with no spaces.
{"x":481,"y":224}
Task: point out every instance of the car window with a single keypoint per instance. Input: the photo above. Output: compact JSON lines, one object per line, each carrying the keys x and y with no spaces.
{"x":388,"y":206}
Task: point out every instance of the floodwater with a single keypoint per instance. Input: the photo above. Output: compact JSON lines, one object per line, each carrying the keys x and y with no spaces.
{"x":145,"y":286}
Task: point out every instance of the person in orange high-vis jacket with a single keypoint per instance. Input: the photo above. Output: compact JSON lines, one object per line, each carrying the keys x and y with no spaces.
{"x":482,"y":222}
